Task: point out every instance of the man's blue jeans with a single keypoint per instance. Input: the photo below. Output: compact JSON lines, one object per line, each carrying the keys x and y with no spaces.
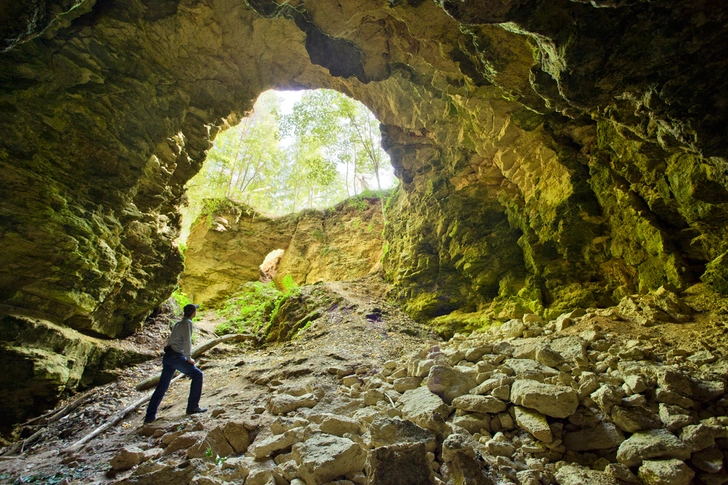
{"x":170,"y":362}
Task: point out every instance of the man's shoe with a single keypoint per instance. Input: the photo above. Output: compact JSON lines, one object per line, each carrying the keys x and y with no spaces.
{"x":148,"y":420}
{"x":197,"y":410}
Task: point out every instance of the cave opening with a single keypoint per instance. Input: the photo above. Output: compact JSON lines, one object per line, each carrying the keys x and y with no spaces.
{"x":296,"y":150}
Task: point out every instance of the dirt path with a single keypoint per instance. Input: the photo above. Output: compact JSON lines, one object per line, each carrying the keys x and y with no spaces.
{"x":357,"y":336}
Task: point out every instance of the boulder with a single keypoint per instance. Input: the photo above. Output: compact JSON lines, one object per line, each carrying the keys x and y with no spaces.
{"x":324,"y":457}
{"x":530,"y":369}
{"x":424,"y":408}
{"x":512,"y":328}
{"x":665,"y":472}
{"x":285,"y":403}
{"x":402,"y":464}
{"x":551,"y":400}
{"x":128,"y":457}
{"x":634,"y":419}
{"x":391,"y":431}
{"x":579,"y":475}
{"x":407,"y":383}
{"x":473,"y":422}
{"x":183,"y":441}
{"x":658,"y":443}
{"x":534,"y":422}
{"x":479,"y":404}
{"x":449,"y":383}
{"x":214,"y":440}
{"x":238,"y":436}
{"x":602,"y":437}
{"x":710,"y":460}
{"x":700,"y":436}
{"x":339,"y":425}
{"x":463,"y":457}
{"x":265,"y":446}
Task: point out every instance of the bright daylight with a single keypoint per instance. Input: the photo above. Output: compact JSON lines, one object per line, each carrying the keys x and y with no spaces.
{"x":298,"y":150}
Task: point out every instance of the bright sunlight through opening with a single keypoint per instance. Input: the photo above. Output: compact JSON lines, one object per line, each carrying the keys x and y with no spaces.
{"x":298,"y":150}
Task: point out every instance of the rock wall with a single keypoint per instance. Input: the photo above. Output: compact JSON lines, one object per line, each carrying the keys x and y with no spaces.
{"x":227,"y":247}
{"x":551,"y":154}
{"x":43,"y":361}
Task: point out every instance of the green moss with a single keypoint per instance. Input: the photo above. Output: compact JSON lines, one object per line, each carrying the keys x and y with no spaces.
{"x":716,"y":274}
{"x":459,"y":322}
{"x":297,"y":310}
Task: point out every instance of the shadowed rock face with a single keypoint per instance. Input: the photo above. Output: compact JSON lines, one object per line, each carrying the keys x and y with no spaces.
{"x":552,"y":154}
{"x":227,"y":247}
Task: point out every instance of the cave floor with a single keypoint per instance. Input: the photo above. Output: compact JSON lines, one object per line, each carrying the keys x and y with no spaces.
{"x":358,"y":336}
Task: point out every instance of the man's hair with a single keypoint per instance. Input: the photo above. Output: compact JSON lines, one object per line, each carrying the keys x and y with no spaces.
{"x":190,"y":309}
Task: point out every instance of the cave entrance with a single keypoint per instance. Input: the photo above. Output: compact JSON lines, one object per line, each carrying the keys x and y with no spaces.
{"x":297,"y":150}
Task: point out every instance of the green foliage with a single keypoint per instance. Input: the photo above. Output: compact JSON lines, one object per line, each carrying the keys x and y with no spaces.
{"x":181,"y":298}
{"x":219,"y":460}
{"x":288,"y":284}
{"x":326,"y":149}
{"x":249,"y":309}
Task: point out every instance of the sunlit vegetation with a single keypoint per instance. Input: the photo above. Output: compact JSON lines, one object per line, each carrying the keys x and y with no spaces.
{"x":254,"y":306}
{"x":323,"y":150}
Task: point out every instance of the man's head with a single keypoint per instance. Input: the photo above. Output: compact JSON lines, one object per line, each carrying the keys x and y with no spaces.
{"x":190,"y":310}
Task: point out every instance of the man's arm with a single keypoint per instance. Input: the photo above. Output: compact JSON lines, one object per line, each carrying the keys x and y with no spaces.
{"x":188,"y":342}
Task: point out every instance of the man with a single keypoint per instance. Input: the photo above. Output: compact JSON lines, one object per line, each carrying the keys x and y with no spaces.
{"x":178,"y":356}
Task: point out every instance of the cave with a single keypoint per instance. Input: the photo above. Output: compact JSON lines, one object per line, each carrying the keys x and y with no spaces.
{"x":552,"y":155}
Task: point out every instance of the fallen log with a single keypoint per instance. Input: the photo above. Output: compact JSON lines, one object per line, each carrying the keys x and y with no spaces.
{"x":48,"y":418}
{"x":121,"y":415}
{"x":197,"y":351}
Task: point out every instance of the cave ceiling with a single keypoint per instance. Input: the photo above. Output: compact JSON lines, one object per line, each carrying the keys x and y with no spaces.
{"x":552,"y":154}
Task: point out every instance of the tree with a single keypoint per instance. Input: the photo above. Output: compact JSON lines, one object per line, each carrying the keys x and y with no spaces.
{"x":315,"y":156}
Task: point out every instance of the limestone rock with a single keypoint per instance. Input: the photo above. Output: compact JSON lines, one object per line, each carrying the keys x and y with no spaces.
{"x":323,"y":457}
{"x":424,"y":408}
{"x":551,"y":400}
{"x":407,"y":383}
{"x":392,"y":431}
{"x":449,"y":383}
{"x":479,"y":404}
{"x":578,"y":475}
{"x":665,"y":472}
{"x":535,"y":423}
{"x":402,"y":464}
{"x":530,"y":369}
{"x":184,"y":441}
{"x":285,"y":403}
{"x":709,"y":460}
{"x":339,"y":425}
{"x":473,"y":422}
{"x":634,"y":419}
{"x":646,"y":445}
{"x":602,"y":437}
{"x":215,"y":441}
{"x":238,"y":436}
{"x":128,"y":457}
{"x":263,"y":447}
{"x":701,"y":436}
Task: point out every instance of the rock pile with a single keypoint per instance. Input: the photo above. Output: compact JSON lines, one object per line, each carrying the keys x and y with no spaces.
{"x":528,"y":403}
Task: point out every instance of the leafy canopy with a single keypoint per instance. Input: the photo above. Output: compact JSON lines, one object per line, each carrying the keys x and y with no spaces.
{"x":323,"y":150}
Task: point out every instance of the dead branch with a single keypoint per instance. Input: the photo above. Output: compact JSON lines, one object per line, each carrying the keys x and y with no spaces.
{"x":197,"y":351}
{"x":121,"y":415}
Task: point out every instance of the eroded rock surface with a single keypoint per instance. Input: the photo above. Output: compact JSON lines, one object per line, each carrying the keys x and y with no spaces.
{"x":551,"y":154}
{"x":227,"y":247}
